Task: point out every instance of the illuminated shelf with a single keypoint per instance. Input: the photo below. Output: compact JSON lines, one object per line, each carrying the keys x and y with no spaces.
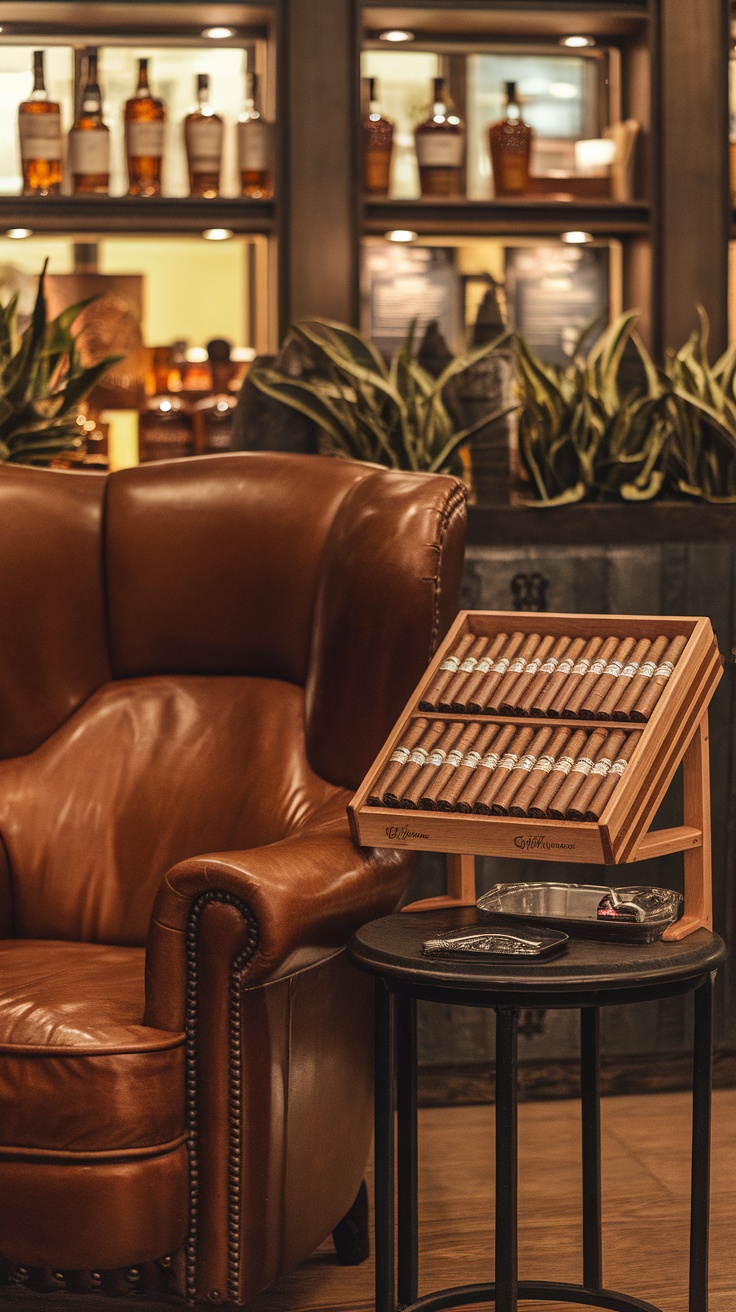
{"x":483,"y":218}
{"x":135,"y":214}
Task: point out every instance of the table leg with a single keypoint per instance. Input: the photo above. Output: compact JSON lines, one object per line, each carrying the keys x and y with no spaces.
{"x":590,"y":1092}
{"x":700,"y":1189}
{"x":384,"y":1148}
{"x":406,"y":1103}
{"x":507,"y":1264}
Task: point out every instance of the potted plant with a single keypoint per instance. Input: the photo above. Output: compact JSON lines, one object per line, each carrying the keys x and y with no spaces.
{"x":702,"y":413}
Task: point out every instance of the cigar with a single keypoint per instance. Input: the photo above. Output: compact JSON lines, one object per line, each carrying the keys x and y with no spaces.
{"x":516,"y":749}
{"x":579,"y":772}
{"x":621,"y":685}
{"x":640,"y":680}
{"x":651,"y":695}
{"x":502,"y":689}
{"x":539,"y":773}
{"x":527,"y":676}
{"x":557,"y":775}
{"x":520,"y":773}
{"x":467,"y":667}
{"x":543,"y":699}
{"x":485,"y":768}
{"x":547,"y":668}
{"x":576,"y":697}
{"x":604,"y":760}
{"x":447,"y":671}
{"x":598,"y":805}
{"x":475,"y":700}
{"x":454,"y":758}
{"x":567,"y":684}
{"x":396,"y":761}
{"x":466,"y":690}
{"x":409,"y":800}
{"x":414,"y":764}
{"x":459,"y":778}
{"x":607,"y":680}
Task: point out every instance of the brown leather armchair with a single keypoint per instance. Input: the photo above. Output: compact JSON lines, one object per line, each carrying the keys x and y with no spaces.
{"x":198,"y":662}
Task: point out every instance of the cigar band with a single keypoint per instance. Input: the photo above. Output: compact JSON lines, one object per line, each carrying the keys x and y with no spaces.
{"x":545,"y":764}
{"x":647,"y":670}
{"x":518,"y":665}
{"x":565,"y":667}
{"x":602,"y":766}
{"x":582,"y":667}
{"x":490,"y":761}
{"x":564,"y":765}
{"x":452,"y":664}
{"x":629,"y":670}
{"x":454,"y":758}
{"x":469,"y":664}
{"x":533,"y":666}
{"x":549,"y":666}
{"x":418,"y":756}
{"x":583,"y":766}
{"x":501,"y":666}
{"x":436,"y":757}
{"x":471,"y":759}
{"x":401,"y":755}
{"x":618,"y":766}
{"x":484,"y":666}
{"x":508,"y":761}
{"x":665,"y":669}
{"x":614,"y":668}
{"x":527,"y":763}
{"x":597,"y":667}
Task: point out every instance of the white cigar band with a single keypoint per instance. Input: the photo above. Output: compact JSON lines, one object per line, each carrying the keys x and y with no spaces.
{"x":533,"y":666}
{"x":469,"y":664}
{"x":549,"y":666}
{"x":454,"y":758}
{"x":629,"y":670}
{"x":484,"y":666}
{"x":518,"y":666}
{"x":583,"y":766}
{"x":647,"y":669}
{"x":614,"y":668}
{"x":509,"y":761}
{"x":545,"y":764}
{"x":418,"y":756}
{"x":565,"y":667}
{"x":436,"y":757}
{"x":582,"y":667}
{"x":401,"y":755}
{"x":452,"y":664}
{"x":527,"y":763}
{"x":490,"y":761}
{"x":602,"y":766}
{"x":471,"y":759}
{"x":618,"y":766}
{"x":501,"y":666}
{"x":564,"y":765}
{"x":597,"y":667}
{"x":665,"y":669}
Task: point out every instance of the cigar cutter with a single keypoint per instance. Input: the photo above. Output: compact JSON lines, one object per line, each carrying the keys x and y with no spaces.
{"x":496,"y":942}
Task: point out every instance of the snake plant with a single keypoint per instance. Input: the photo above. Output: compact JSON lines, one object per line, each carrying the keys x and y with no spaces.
{"x":703,"y":418}
{"x":42,"y":383}
{"x":393,"y":414}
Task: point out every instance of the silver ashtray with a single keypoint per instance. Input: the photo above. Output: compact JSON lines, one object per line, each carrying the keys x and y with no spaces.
{"x":496,"y":942}
{"x":634,"y":914}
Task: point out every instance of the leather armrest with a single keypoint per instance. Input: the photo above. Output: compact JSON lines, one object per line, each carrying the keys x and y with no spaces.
{"x":6,"y":896}
{"x":307,"y":894}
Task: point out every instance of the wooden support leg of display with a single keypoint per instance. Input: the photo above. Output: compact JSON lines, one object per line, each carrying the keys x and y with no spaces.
{"x":460,"y":886}
{"x":698,"y":912}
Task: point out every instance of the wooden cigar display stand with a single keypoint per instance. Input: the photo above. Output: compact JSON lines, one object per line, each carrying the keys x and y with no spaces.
{"x":552,"y":737}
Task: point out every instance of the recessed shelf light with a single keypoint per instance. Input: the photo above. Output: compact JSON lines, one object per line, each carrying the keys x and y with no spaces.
{"x":218,"y":33}
{"x":576,"y":238}
{"x":18,"y":233}
{"x":396,"y":34}
{"x":577,"y":42}
{"x":218,"y":234}
{"x":401,"y":234}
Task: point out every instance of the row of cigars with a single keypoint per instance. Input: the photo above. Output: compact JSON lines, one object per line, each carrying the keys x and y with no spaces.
{"x":554,"y":677}
{"x":562,"y":773}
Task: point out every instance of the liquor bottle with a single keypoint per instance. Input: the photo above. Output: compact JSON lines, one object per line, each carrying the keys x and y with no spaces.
{"x":39,"y":128}
{"x":510,"y":143}
{"x":145,"y":116}
{"x":255,"y":145}
{"x":378,"y":135}
{"x":89,"y":139}
{"x":213,"y":415}
{"x":440,"y":147}
{"x":166,"y":431}
{"x":203,"y":130}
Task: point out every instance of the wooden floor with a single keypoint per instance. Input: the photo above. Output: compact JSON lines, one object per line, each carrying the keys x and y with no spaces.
{"x":645,"y":1216}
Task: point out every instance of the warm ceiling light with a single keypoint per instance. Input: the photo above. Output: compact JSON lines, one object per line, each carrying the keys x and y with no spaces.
{"x":401,"y":234}
{"x":218,"y":234}
{"x":218,"y":33}
{"x":19,"y":233}
{"x":576,"y":238}
{"x":395,"y":34}
{"x":577,"y":42}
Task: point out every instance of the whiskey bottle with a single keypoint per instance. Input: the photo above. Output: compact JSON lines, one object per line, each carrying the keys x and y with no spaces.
{"x":39,"y":128}
{"x":440,"y":147}
{"x":255,"y":145}
{"x":145,"y":116}
{"x":510,"y":143}
{"x":203,"y":130}
{"x":378,"y":135}
{"x":166,"y":431}
{"x":89,"y":139}
{"x":213,"y":415}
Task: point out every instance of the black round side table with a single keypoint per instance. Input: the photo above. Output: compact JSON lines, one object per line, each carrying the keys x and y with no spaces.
{"x":590,"y":976}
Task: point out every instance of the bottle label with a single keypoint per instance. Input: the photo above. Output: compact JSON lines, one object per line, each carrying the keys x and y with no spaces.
{"x":204,"y":145}
{"x":40,"y":136}
{"x":255,"y":146}
{"x":89,"y":150}
{"x":469,"y":665}
{"x":440,"y":150}
{"x":400,"y":756}
{"x":145,"y":140}
{"x":452,"y":664}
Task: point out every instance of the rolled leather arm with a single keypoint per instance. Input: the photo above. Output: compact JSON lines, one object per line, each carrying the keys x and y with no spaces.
{"x":304,"y":896}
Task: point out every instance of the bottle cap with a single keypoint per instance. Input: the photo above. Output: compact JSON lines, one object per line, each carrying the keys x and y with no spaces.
{"x":203,"y":82}
{"x":510,"y":90}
